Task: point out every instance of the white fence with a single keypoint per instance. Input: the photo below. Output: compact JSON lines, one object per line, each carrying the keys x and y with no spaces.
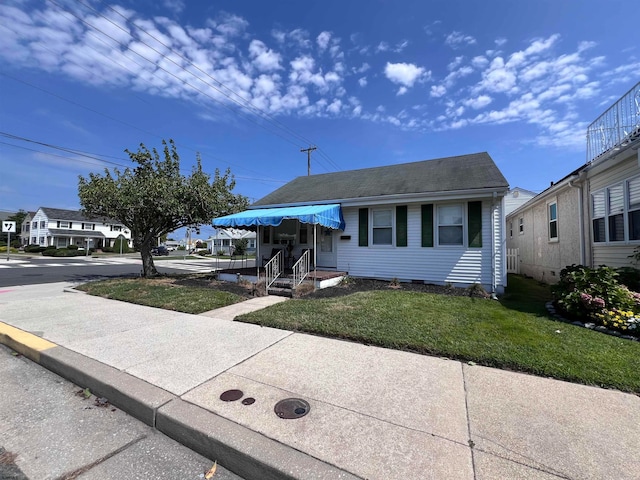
{"x":513,"y":260}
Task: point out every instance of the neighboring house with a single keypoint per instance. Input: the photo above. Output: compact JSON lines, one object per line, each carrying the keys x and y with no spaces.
{"x":60,"y":228}
{"x":546,"y":230}
{"x":223,"y":240}
{"x":592,"y":216}
{"x":436,"y":221}
{"x":25,"y":228}
{"x":515,"y":198}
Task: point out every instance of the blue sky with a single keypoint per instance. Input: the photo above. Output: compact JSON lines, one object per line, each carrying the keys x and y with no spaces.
{"x":248,"y":84}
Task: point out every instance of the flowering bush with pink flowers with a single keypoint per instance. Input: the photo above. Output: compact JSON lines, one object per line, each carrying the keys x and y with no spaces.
{"x":595,"y":295}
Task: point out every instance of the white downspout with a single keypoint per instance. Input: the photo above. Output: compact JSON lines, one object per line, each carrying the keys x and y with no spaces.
{"x":580,"y":221}
{"x":315,"y":254}
{"x":258,"y":260}
{"x":493,"y":246}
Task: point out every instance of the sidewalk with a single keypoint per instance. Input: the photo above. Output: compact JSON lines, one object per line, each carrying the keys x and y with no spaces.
{"x":374,"y":413}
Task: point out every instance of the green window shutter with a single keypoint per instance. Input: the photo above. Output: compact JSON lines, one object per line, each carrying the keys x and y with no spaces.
{"x":363,"y":227}
{"x":401,"y":226}
{"x":475,"y":224}
{"x":427,"y":225}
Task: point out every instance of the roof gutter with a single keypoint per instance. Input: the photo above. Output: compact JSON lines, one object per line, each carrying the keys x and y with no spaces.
{"x":404,"y":197}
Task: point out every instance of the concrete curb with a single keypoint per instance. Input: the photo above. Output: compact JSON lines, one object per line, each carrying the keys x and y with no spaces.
{"x":241,"y":450}
{"x":237,"y":448}
{"x":136,"y":397}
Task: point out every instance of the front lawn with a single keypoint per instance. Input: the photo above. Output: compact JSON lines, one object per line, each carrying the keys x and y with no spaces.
{"x":189,"y":294}
{"x":513,"y":333}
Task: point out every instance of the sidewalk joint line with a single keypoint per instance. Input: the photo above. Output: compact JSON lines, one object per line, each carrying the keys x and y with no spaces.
{"x":466,"y":408}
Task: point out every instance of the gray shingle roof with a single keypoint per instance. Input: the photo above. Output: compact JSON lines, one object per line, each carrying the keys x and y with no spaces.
{"x":464,"y":172}
{"x":73,"y":215}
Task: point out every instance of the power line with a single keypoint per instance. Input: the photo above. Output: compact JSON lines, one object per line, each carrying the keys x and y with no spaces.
{"x":182,"y":81}
{"x":247,"y":104}
{"x":130,"y":125}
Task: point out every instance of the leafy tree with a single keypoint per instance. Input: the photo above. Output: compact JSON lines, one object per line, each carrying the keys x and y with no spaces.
{"x":153,"y":198}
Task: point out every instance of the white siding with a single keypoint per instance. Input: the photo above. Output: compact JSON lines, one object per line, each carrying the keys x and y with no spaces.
{"x":613,"y":254}
{"x":438,"y":265}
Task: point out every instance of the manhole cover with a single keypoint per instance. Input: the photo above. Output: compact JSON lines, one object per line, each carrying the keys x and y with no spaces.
{"x":249,"y":401}
{"x":231,"y":395}
{"x":292,"y":408}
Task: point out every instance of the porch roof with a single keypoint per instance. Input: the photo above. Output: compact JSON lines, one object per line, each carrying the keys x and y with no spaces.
{"x":326,"y":215}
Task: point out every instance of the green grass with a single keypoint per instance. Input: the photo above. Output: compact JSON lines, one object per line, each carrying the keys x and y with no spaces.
{"x":162,"y":294}
{"x":514,"y":333}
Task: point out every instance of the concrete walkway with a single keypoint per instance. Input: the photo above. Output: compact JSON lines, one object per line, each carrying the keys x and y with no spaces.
{"x":374,"y":413}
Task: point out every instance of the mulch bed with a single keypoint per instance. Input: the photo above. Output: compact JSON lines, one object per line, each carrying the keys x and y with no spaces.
{"x":351,"y":285}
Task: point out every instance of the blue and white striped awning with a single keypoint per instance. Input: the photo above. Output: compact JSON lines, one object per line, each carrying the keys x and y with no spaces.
{"x":326,"y":215}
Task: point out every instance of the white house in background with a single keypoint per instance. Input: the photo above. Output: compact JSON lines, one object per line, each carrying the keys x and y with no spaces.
{"x":546,"y":230}
{"x":516,"y":197}
{"x":60,"y":228}
{"x":591,"y":216}
{"x":435,"y":221}
{"x":223,"y":240}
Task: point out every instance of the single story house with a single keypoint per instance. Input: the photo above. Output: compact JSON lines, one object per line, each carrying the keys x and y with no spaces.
{"x":436,"y":221}
{"x":60,"y":228}
{"x":592,"y":215}
{"x":516,"y":197}
{"x":223,"y":240}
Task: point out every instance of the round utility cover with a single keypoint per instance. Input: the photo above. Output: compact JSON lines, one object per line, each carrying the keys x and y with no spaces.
{"x":231,"y":395}
{"x":249,"y":401}
{"x":292,"y":408}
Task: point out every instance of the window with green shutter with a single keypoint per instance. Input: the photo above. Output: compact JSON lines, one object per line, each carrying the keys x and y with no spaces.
{"x":474,"y":215}
{"x":427,"y":225}
{"x":401,"y":226}
{"x":363,"y":227}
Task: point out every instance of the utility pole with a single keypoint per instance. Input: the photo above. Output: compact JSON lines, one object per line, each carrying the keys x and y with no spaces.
{"x":308,"y":150}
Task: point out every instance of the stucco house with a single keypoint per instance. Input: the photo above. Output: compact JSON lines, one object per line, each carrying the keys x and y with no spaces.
{"x":592,"y":215}
{"x":434,"y":221}
{"x":60,"y":228}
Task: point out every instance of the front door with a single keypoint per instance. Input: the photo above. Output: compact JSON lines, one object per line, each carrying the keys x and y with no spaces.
{"x":327,"y":256}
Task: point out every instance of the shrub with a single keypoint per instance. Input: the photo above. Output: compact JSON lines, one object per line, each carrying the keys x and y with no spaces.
{"x":117,"y":246}
{"x":107,"y":249}
{"x":584,"y":292}
{"x":33,"y":248}
{"x":221,"y":253}
{"x":72,"y":247}
{"x":630,"y":277}
{"x":240,"y":246}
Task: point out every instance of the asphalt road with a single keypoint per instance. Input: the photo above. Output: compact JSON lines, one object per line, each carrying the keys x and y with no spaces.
{"x":50,"y":429}
{"x":36,"y":270}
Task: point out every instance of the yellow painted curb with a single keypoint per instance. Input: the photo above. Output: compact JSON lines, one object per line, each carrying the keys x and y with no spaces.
{"x":26,"y":343}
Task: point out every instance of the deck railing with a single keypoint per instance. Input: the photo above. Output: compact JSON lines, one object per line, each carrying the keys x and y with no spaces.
{"x":617,"y":127}
{"x":301,"y":268}
{"x":272,"y":270}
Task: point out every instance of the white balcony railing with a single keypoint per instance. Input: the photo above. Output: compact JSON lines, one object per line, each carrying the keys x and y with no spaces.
{"x":301,"y":268}
{"x":272,"y":270}
{"x":617,"y":127}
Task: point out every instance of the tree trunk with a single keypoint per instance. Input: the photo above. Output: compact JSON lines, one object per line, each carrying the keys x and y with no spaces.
{"x":148,"y":268}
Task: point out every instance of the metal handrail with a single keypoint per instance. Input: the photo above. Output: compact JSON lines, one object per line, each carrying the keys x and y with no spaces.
{"x":301,"y":269}
{"x":618,"y":126}
{"x":273,"y":269}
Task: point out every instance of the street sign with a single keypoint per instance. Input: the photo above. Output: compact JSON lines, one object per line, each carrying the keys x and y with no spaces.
{"x":8,"y":227}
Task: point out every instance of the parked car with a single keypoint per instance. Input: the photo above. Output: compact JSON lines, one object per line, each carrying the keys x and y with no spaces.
{"x":161,"y":250}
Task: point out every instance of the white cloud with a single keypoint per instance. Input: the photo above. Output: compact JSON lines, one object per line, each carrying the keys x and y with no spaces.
{"x":323,"y":40}
{"x":382,"y":47}
{"x":458,"y":39}
{"x":335,"y":107}
{"x":500,"y":41}
{"x":437,"y":91}
{"x":478,"y":102}
{"x":264,"y":58}
{"x":402,"y":90}
{"x":405,"y":74}
{"x":362,"y":81}
{"x":176,"y":6}
{"x":498,"y":78}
